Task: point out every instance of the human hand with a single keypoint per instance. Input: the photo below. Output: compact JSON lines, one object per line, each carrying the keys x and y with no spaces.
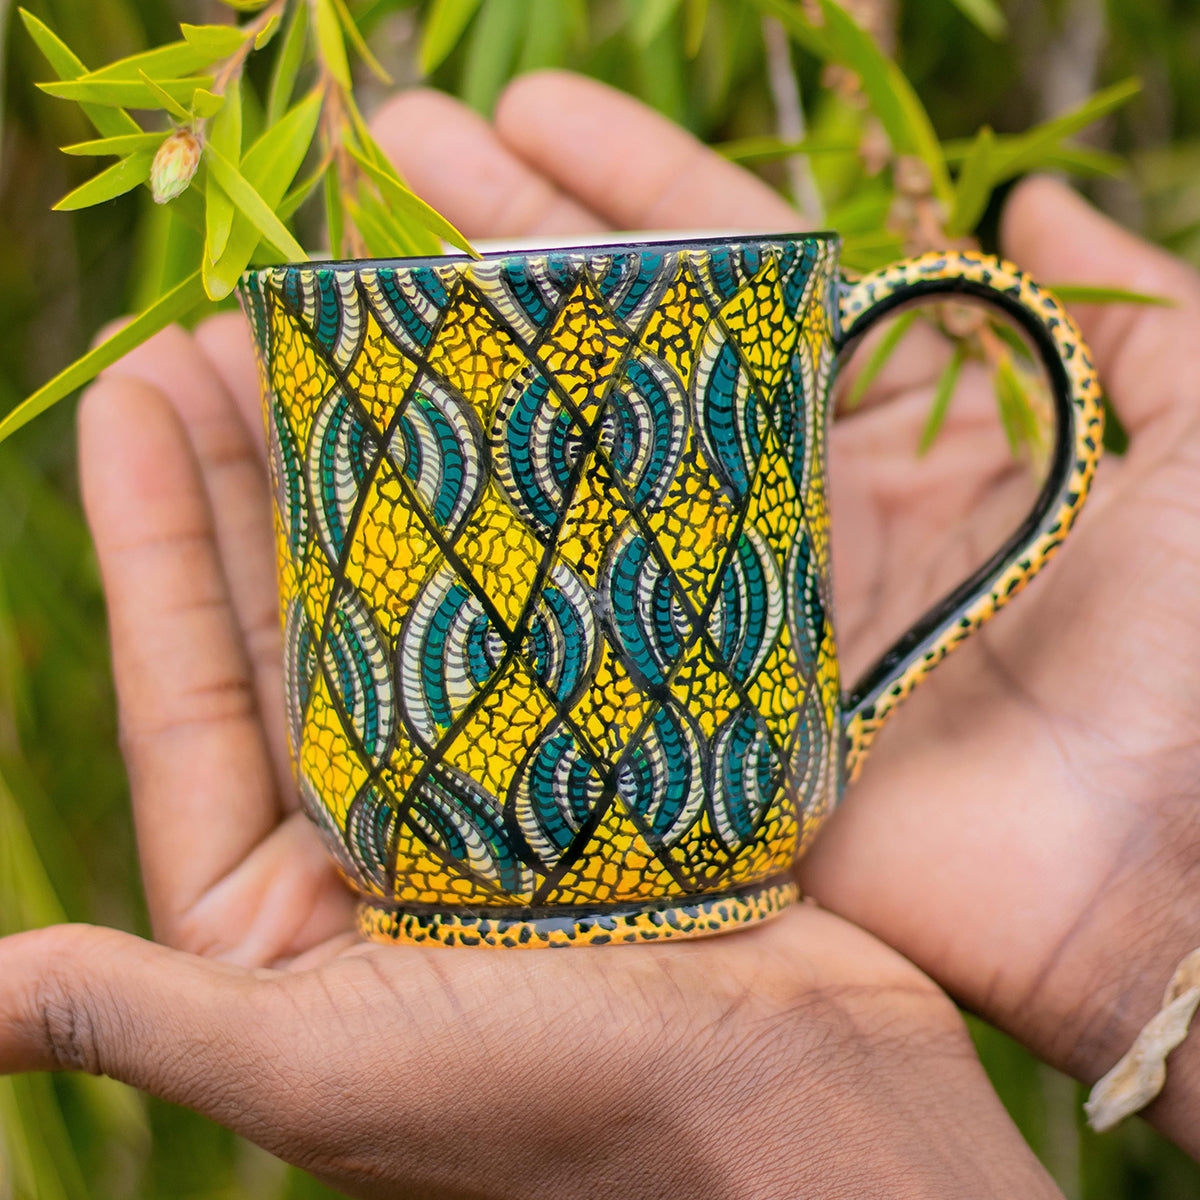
{"x":1025,"y":829}
{"x":799,"y":1057}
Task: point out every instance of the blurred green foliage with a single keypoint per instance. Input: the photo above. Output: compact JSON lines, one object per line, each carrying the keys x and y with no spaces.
{"x":66,"y":845}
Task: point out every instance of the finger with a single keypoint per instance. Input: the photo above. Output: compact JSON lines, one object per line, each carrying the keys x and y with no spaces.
{"x":1147,"y":357}
{"x":226,"y":341}
{"x":239,"y":498}
{"x":453,"y":159}
{"x":200,"y":774}
{"x":628,"y":163}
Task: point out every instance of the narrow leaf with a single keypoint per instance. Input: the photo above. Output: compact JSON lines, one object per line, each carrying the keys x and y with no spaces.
{"x":695,"y":19}
{"x":879,"y":358}
{"x":303,"y":190}
{"x":799,"y":28}
{"x":947,"y":382}
{"x":768,"y":148}
{"x":1016,"y":413}
{"x":126,"y":93}
{"x":217,"y":41}
{"x":206,"y":104}
{"x":975,"y":184}
{"x":65,"y":64}
{"x":1025,"y":151}
{"x":175,"y":304}
{"x":335,"y":212}
{"x":651,"y":18}
{"x":267,"y":32}
{"x":251,"y":204}
{"x":443,"y":29}
{"x":168,"y":101}
{"x":270,"y":165}
{"x":1078,"y":293}
{"x":360,"y":43}
{"x":125,"y":143}
{"x":386,"y":234}
{"x":890,"y":95}
{"x":162,"y":62}
{"x":398,"y":194}
{"x":225,"y":134}
{"x":115,"y":181}
{"x":331,"y":44}
{"x":985,"y":16}
{"x":1079,"y":160}
{"x":246,"y":6}
{"x":287,"y":65}
{"x":491,"y":50}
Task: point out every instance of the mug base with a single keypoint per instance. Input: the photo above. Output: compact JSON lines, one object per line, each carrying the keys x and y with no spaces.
{"x":532,"y":928}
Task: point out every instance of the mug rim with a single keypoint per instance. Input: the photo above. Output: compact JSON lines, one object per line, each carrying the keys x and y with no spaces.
{"x":665,"y":244}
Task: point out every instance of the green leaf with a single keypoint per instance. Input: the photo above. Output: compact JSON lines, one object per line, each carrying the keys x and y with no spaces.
{"x":397,"y":194}
{"x":251,"y":205}
{"x":125,"y":143}
{"x":225,"y":133}
{"x":1026,"y":152}
{"x":206,"y":104}
{"x":879,"y":358}
{"x":444,"y":27}
{"x":799,"y":28}
{"x":63,"y":61}
{"x":650,"y":19}
{"x":267,"y":32}
{"x":331,"y":44}
{"x":175,"y":304}
{"x":287,"y":65}
{"x":387,"y":237}
{"x":1016,"y":413}
{"x":1079,"y":293}
{"x":550,"y":28}
{"x":947,"y":382}
{"x":1078,"y":160}
{"x":128,"y":93}
{"x":168,"y":102}
{"x":115,"y":181}
{"x":490,"y":53}
{"x":360,"y":43}
{"x":695,"y":19}
{"x":246,"y":6}
{"x":335,"y":212}
{"x":270,"y":165}
{"x":890,"y":95}
{"x":768,"y":148}
{"x":163,"y":62}
{"x":303,"y":190}
{"x":986,"y":16}
{"x":975,"y":183}
{"x":215,"y":41}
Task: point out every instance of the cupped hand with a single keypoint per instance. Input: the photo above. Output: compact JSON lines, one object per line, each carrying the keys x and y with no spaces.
{"x":799,"y":1057}
{"x":1026,"y":830}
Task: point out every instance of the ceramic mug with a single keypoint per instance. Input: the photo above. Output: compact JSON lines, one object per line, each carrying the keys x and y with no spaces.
{"x":553,"y":543}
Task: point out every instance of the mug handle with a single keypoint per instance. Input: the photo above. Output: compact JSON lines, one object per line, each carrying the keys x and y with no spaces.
{"x":1079,"y":433}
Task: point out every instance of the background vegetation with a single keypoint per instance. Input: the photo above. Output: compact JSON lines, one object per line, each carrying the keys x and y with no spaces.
{"x":725,"y":69}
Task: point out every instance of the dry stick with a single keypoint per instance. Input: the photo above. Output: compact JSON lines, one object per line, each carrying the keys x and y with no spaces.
{"x":790,"y":121}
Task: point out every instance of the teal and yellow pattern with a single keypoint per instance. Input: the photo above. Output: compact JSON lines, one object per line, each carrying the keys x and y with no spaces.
{"x":554,"y":559}
{"x":554,"y":555}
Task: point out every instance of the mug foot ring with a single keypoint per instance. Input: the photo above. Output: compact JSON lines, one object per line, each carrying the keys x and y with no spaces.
{"x":702,"y":916}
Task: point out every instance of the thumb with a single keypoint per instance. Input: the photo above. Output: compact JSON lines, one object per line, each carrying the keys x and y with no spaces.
{"x":82,"y":999}
{"x":1147,"y":356}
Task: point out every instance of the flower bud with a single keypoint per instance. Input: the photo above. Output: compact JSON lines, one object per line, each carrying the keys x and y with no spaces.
{"x":175,"y":165}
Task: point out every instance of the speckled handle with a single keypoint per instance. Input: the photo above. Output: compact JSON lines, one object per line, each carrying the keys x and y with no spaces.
{"x":1079,"y":422}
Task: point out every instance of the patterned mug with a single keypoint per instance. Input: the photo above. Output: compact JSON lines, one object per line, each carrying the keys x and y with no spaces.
{"x":554,"y":562}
